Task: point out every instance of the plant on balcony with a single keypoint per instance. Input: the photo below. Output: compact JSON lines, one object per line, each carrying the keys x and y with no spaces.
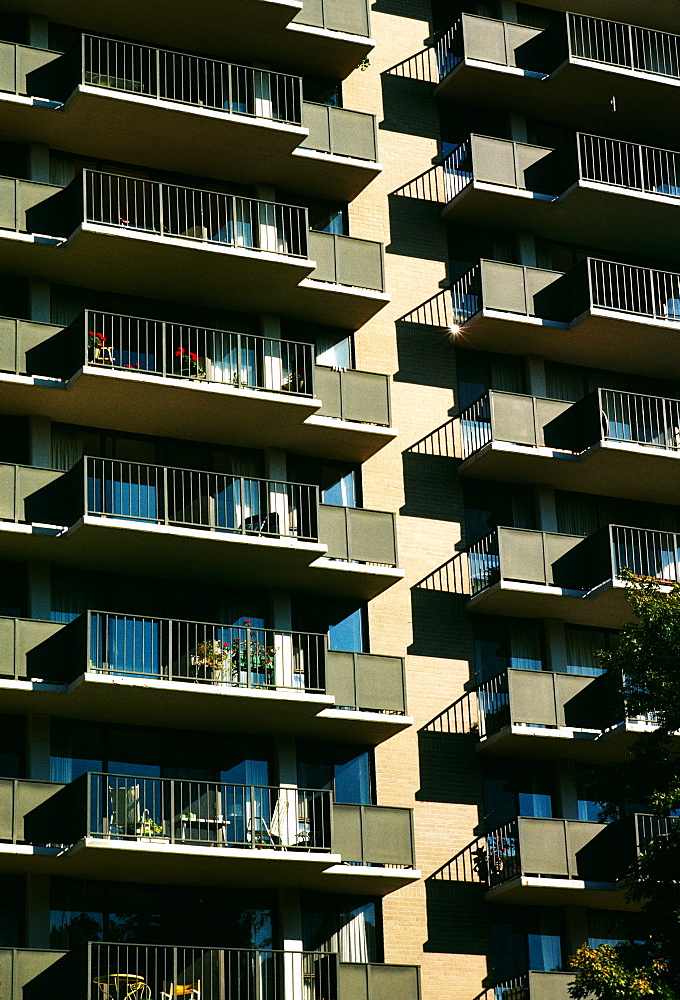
{"x":149,"y":827}
{"x":96,"y":342}
{"x":187,"y":364}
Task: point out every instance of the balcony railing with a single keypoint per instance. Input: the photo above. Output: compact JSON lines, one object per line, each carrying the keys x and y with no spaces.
{"x":175,"y":350}
{"x":629,"y":165}
{"x":211,"y":501}
{"x":210,"y":973}
{"x":225,"y":655}
{"x":213,"y":814}
{"x":192,"y":213}
{"x":638,"y":291}
{"x":604,"y":415}
{"x":352,"y":17}
{"x":646,"y":553}
{"x":568,"y":561}
{"x":175,"y":76}
{"x":449,"y":49}
{"x":625,"y":46}
{"x":648,"y":421}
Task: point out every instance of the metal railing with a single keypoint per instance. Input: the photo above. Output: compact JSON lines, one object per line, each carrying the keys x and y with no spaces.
{"x":174,"y":350}
{"x":509,"y":989}
{"x":212,"y":501}
{"x":243,"y":656}
{"x":484,"y":563}
{"x":175,"y":76}
{"x":466,"y":295}
{"x":475,"y":426}
{"x":193,"y":213}
{"x":649,"y":421}
{"x":638,"y":291}
{"x":209,"y":813}
{"x":649,"y":828}
{"x":489,"y":860}
{"x":493,"y":699}
{"x":624,"y":45}
{"x":646,"y":553}
{"x":457,"y":167}
{"x":629,"y":165}
{"x":449,"y":49}
{"x":161,"y":971}
{"x":459,"y":718}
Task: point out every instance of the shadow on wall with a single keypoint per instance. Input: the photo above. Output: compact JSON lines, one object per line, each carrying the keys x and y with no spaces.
{"x":409,"y":107}
{"x":416,"y":229}
{"x":425,"y":356}
{"x":449,"y":771}
{"x":419,"y":10}
{"x":457,"y":918}
{"x":431,"y":488}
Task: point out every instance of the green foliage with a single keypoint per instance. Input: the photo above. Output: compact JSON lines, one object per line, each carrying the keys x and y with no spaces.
{"x":644,"y":671}
{"x":623,"y":973}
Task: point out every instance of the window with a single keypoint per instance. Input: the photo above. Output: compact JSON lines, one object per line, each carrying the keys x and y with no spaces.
{"x":517,"y":788}
{"x":12,"y":746}
{"x":340,"y":769}
{"x":582,"y":646}
{"x":477,"y":373}
{"x":345,"y":925}
{"x":12,"y":893}
{"x":488,"y":507}
{"x":588,"y":808}
{"x":501,"y":643}
{"x":526,"y":939}
{"x":612,"y":928}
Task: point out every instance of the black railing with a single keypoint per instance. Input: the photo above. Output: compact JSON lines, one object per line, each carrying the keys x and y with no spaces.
{"x":243,"y":656}
{"x":650,"y":829}
{"x":175,"y":76}
{"x":491,"y":860}
{"x":210,"y":501}
{"x":484,"y":563}
{"x":175,"y":350}
{"x":449,"y":49}
{"x":625,"y":46}
{"x":136,"y":972}
{"x":208,"y":813}
{"x":475,"y":426}
{"x":194,"y":213}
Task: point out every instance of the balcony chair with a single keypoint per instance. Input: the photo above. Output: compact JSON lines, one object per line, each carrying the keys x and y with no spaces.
{"x":192,"y":990}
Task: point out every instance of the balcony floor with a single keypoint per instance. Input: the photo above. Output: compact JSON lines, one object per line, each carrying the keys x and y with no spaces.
{"x":640,"y":346}
{"x":145,"y":701}
{"x":606,"y":606}
{"x":616,"y":468}
{"x":577,"y":94}
{"x":158,"y":861}
{"x":613,"y":219}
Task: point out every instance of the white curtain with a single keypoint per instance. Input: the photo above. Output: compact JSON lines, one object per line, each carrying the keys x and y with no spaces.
{"x":68,"y":446}
{"x":582,"y":644}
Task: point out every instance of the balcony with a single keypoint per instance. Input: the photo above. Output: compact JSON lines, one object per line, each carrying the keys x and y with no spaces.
{"x":184,"y":103}
{"x":192,"y":382}
{"x":590,"y":191}
{"x":180,"y":243}
{"x":557,"y":862}
{"x":215,"y":832}
{"x":538,"y":574}
{"x":566,"y":72}
{"x":621,"y":439}
{"x":163,"y":672}
{"x":598,"y":310}
{"x":532,"y":986}
{"x":129,"y":517}
{"x":220,"y":973}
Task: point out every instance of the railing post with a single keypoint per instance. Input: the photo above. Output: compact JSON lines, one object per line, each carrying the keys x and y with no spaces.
{"x":158,"y":74}
{"x":172,"y":813}
{"x":161,"y":224}
{"x":164,"y":498}
{"x":164,"y":349}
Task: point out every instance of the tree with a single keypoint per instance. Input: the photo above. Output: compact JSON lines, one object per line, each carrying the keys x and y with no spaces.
{"x":645,"y":669}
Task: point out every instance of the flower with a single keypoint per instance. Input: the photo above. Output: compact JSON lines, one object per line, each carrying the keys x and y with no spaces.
{"x":180,"y":352}
{"x":98,"y":336}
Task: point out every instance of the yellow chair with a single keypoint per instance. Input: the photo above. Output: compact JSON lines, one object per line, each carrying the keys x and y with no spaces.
{"x":192,"y":990}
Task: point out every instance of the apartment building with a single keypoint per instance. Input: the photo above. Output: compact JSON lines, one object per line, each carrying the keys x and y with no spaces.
{"x":338,"y":383}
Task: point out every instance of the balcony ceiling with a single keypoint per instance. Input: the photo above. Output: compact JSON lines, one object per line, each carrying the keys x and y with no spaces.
{"x":143,"y":701}
{"x":613,"y":469}
{"x":576,"y":95}
{"x":604,"y":607}
{"x":240,"y":29}
{"x":641,"y":347}
{"x":613,"y":219}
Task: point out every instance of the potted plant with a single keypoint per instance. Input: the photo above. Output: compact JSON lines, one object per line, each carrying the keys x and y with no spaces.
{"x":150,"y":831}
{"x":187,"y":364}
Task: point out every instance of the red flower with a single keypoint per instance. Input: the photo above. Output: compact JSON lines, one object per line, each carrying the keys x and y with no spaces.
{"x":194,"y":357}
{"x":100,"y":336}
{"x":180,"y":352}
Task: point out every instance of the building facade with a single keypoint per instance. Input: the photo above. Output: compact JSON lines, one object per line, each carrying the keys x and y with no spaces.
{"x":338,"y":384}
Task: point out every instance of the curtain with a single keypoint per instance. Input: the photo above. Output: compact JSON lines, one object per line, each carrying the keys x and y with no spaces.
{"x":68,"y":590}
{"x":545,"y":952}
{"x":582,"y":645}
{"x":525,"y":645}
{"x":576,"y":514}
{"x":334,"y":353}
{"x":563,"y":382}
{"x":68,"y":446}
